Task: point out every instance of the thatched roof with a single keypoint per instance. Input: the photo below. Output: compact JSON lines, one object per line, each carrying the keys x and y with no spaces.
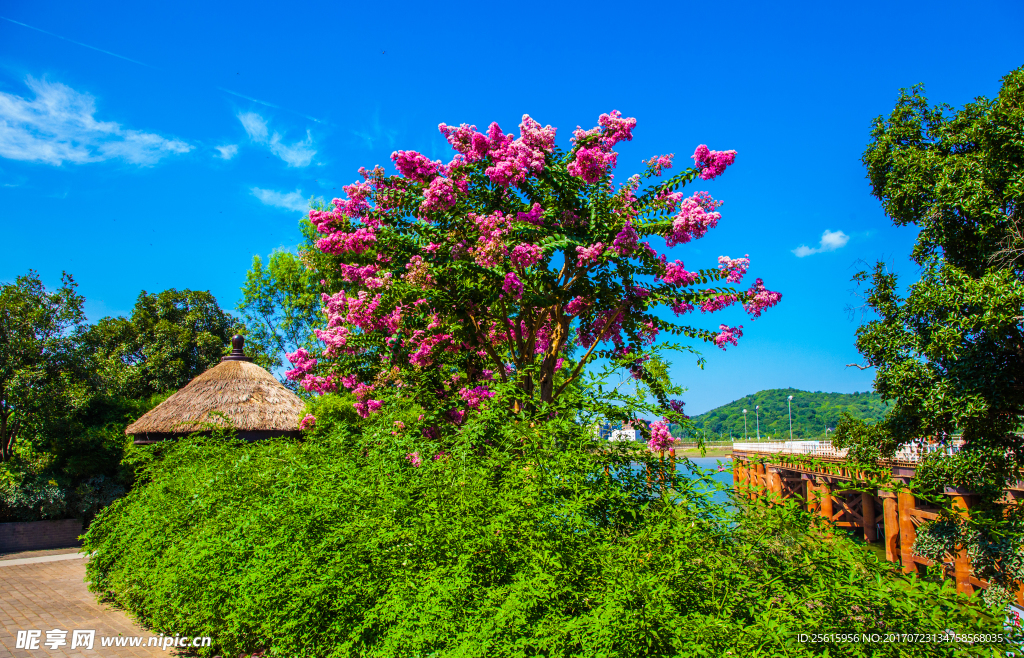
{"x":254,"y":401}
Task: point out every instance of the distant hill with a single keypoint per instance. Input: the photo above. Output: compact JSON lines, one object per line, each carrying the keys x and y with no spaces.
{"x":812,"y":413}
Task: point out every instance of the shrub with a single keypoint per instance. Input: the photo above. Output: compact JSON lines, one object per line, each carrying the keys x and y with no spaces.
{"x":342,"y":546}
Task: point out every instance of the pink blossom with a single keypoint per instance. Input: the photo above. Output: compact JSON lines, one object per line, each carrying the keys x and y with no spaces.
{"x":760,"y":299}
{"x":712,"y":163}
{"x":431,"y":248}
{"x":415,"y":166}
{"x":349,"y":381}
{"x":440,"y":455}
{"x":626,"y":241}
{"x":680,"y":307}
{"x":308,"y":421}
{"x":616,"y":128}
{"x":413,"y":458}
{"x":591,"y":163}
{"x":728,"y":335}
{"x":659,"y":162}
{"x":717,"y":303}
{"x":525,"y":255}
{"x":576,"y":306}
{"x":340,"y":242}
{"x":696,"y":215}
{"x":457,"y":416}
{"x":661,"y":439}
{"x":334,"y":338}
{"x":475,"y":396}
{"x":439,"y":196}
{"x":587,"y":255}
{"x":356,"y":205}
{"x":535,"y":216}
{"x":303,"y":364}
{"x":513,"y":286}
{"x":513,"y":161}
{"x":676,"y":274}
{"x":736,"y":267}
{"x":466,"y":140}
{"x":536,"y":137}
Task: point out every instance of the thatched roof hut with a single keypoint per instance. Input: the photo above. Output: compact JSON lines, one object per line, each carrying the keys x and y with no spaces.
{"x":257,"y":405}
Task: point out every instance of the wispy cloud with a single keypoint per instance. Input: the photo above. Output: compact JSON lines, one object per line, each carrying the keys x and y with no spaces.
{"x":830,"y":241}
{"x":299,"y":154}
{"x":227,"y":152}
{"x":289,"y":201}
{"x":59,"y":125}
{"x":375,"y":132}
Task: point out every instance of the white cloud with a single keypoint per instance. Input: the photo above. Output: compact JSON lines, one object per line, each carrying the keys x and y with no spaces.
{"x":59,"y":125}
{"x":299,"y":154}
{"x":830,"y":241}
{"x":228,"y":152}
{"x":290,"y":201}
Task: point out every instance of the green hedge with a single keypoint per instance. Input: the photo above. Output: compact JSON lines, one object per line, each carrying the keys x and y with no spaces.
{"x":340,"y":547}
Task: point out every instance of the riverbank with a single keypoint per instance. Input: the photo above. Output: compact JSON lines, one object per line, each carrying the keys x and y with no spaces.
{"x":717,"y":451}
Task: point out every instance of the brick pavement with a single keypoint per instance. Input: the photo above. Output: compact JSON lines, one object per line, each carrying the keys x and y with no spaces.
{"x":49,"y":595}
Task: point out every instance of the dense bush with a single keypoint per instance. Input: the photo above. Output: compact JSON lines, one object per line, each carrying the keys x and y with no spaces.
{"x":341,"y":546}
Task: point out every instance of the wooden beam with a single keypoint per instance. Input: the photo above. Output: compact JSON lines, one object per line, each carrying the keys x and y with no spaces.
{"x":867,"y":511}
{"x":961,"y":562}
{"x":905,"y":503}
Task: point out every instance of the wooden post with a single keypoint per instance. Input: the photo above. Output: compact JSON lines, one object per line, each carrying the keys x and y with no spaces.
{"x":905,"y":503}
{"x":775,"y":482}
{"x":891,"y":525}
{"x":867,"y":510}
{"x":825,"y":491}
{"x":812,"y":496}
{"x":962,"y":563}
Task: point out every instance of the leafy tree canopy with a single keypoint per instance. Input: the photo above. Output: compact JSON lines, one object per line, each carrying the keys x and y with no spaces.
{"x":949,"y":349}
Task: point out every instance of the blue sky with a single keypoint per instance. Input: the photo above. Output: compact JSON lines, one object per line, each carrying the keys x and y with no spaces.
{"x":164,"y":146}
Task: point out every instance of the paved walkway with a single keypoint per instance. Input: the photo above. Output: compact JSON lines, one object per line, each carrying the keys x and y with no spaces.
{"x":46,"y":591}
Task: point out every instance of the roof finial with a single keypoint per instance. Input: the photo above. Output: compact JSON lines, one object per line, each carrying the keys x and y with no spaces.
{"x":237,"y":350}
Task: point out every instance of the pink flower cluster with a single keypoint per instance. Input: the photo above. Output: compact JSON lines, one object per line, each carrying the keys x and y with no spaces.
{"x":576,"y":306}
{"x":513,"y":159}
{"x":675,"y":274}
{"x":535,"y":215}
{"x":661,"y":439}
{"x":334,"y":338}
{"x":364,"y":406}
{"x":415,"y":166}
{"x":588,"y":255}
{"x":413,"y":458}
{"x":728,"y":335}
{"x":512,"y":286}
{"x":626,"y":241}
{"x":736,"y":267}
{"x":616,"y":129}
{"x":526,"y":255}
{"x":712,"y":163}
{"x":759,"y":299}
{"x":340,"y":242}
{"x":717,"y":303}
{"x":591,"y":163}
{"x":308,"y":421}
{"x":680,"y":307}
{"x":659,"y":162}
{"x":696,"y":216}
{"x":441,"y":194}
{"x":303,"y":363}
{"x":475,"y":396}
{"x":490,"y":249}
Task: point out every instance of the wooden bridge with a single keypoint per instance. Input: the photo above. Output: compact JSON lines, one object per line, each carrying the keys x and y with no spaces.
{"x":813,"y":472}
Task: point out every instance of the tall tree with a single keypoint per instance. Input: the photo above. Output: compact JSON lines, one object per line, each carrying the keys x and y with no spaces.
{"x":41,"y":373}
{"x":949,"y":350}
{"x":171,"y":337}
{"x":280,"y":304}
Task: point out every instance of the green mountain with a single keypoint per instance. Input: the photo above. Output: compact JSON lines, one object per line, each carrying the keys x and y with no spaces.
{"x":812,"y":413}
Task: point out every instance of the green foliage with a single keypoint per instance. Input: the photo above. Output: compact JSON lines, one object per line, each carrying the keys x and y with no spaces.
{"x":41,"y":373}
{"x":170,"y":338}
{"x":812,"y":413}
{"x":949,"y":350}
{"x":339,"y":546}
{"x":280,"y":306}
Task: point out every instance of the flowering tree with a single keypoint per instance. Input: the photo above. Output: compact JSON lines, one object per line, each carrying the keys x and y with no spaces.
{"x":455,"y":279}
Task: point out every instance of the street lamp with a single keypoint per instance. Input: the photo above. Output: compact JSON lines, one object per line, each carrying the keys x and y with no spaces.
{"x":757,"y":417}
{"x":744,"y":424}
{"x":790,"y":417}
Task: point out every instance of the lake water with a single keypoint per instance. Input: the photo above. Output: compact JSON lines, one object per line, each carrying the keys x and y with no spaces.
{"x":711,"y":463}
